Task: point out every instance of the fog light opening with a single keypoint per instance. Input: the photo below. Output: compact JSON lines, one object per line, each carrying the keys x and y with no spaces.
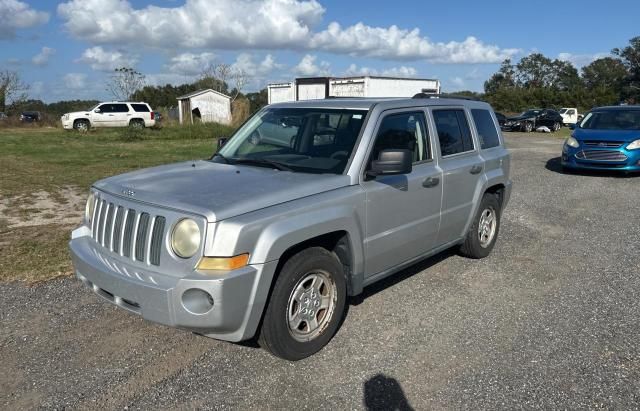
{"x":197,"y":301}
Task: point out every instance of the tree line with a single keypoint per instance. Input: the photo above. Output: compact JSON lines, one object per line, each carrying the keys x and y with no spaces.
{"x":538,"y":81}
{"x":534,"y":81}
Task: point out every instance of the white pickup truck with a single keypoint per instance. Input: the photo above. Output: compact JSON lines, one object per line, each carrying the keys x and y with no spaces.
{"x":569,"y":115}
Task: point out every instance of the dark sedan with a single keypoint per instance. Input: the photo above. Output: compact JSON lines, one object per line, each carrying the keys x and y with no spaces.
{"x":532,"y":119}
{"x":30,"y":116}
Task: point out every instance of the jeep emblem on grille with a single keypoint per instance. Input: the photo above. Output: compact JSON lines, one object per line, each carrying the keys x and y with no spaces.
{"x":602,"y":144}
{"x":129,"y":192}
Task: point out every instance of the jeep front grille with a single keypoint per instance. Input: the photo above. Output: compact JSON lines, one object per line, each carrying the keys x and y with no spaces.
{"x":127,"y":232}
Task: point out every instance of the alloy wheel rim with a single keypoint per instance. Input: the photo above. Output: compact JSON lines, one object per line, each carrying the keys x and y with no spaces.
{"x":311,"y":306}
{"x":487,"y":227}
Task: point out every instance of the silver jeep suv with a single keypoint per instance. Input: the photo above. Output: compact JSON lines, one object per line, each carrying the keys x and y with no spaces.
{"x":305,"y":205}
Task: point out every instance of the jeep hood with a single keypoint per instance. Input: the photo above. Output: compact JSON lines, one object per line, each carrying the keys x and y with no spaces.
{"x":217,"y":191}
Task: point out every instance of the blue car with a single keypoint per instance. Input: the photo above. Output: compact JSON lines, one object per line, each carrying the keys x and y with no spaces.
{"x":608,"y":138}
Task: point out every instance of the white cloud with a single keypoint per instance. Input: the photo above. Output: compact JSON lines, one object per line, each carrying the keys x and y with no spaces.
{"x":42,"y":58}
{"x":160,"y":79}
{"x":580,"y":60}
{"x":245,"y":62}
{"x":457,"y":82}
{"x":253,"y":24}
{"x":308,"y":67}
{"x":399,"y":44}
{"x":190,"y":63}
{"x":227,"y":24}
{"x":75,"y":81}
{"x":104,"y":60}
{"x":16,"y":15}
{"x":402,"y":71}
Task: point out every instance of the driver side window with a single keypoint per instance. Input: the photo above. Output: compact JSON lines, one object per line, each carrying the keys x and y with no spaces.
{"x":403,"y":131}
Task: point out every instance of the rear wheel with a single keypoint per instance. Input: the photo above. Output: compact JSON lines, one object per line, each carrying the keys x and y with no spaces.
{"x":306,"y":307}
{"x":483,"y":232}
{"x":136,"y":123}
{"x":81,"y":125}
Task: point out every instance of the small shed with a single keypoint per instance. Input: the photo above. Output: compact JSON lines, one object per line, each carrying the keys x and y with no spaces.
{"x":206,"y":106}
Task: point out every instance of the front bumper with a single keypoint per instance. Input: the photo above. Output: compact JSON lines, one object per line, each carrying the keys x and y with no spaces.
{"x":570,"y":159}
{"x":67,"y":124}
{"x":238,"y":297}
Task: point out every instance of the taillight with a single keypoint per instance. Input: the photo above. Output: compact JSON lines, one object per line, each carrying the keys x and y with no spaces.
{"x":153,"y":115}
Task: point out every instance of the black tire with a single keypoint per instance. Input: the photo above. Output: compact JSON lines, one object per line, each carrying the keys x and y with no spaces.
{"x":527,"y":127}
{"x":82,"y":125}
{"x":473,"y":246}
{"x":556,"y":126}
{"x":136,"y":123}
{"x":276,"y":335}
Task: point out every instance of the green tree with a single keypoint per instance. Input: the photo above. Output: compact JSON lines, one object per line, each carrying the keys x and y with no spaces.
{"x":12,"y":88}
{"x":630,"y":56}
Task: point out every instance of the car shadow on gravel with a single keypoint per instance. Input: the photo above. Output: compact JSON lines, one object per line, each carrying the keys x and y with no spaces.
{"x":400,"y":276}
{"x":555,"y":165}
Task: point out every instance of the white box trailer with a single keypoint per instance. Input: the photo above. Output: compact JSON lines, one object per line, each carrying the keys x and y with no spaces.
{"x":374,"y":86}
{"x":312,"y":88}
{"x":281,"y":92}
{"x":315,"y":88}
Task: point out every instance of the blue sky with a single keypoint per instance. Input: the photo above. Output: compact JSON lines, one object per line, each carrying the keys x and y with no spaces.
{"x":67,"y":49}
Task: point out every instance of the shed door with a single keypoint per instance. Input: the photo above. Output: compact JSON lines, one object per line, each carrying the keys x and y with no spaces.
{"x":186,"y":110}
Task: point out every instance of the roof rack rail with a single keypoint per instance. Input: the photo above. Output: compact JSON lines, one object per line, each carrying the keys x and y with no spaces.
{"x":450,"y":96}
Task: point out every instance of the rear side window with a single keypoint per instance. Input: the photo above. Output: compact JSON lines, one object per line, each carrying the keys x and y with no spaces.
{"x":453,"y":131}
{"x":120,"y":108}
{"x":140,"y":108}
{"x":487,"y":133}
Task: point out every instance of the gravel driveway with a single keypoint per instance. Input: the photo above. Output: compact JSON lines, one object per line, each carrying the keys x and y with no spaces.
{"x":550,"y":320}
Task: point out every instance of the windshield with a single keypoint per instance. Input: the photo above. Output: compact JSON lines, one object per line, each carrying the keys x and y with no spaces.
{"x":94,"y":107}
{"x":612,"y":120}
{"x":530,"y":113}
{"x":563,"y":110}
{"x":307,"y":140}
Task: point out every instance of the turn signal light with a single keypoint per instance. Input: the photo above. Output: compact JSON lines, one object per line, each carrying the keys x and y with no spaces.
{"x":223,"y":263}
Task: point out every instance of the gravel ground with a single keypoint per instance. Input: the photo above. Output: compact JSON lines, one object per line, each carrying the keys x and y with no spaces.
{"x":549,"y":320}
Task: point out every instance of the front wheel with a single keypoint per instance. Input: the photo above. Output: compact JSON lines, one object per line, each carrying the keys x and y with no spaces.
{"x":556,"y":126}
{"x":81,"y":125}
{"x":527,"y":128}
{"x":483,"y":232}
{"x":306,"y":307}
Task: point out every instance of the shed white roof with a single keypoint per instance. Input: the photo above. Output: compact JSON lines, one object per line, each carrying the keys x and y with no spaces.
{"x":203,"y":91}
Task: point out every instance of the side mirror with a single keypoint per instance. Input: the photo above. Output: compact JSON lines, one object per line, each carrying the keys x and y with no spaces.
{"x":391,"y":162}
{"x":97,"y":111}
{"x":572,"y":126}
{"x":222,"y":141}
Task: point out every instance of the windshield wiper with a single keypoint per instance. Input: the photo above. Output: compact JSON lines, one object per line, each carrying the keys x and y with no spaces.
{"x":261,"y":162}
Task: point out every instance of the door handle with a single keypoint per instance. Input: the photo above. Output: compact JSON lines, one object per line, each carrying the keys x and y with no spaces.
{"x":430,"y":182}
{"x":476,"y":169}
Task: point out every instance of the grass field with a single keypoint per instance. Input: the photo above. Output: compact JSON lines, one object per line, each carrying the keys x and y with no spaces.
{"x":46,"y":173}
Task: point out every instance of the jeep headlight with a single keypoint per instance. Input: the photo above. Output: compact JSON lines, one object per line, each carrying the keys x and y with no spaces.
{"x":185,"y":238}
{"x":572,"y":142}
{"x":634,"y":145}
{"x":89,"y":207}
